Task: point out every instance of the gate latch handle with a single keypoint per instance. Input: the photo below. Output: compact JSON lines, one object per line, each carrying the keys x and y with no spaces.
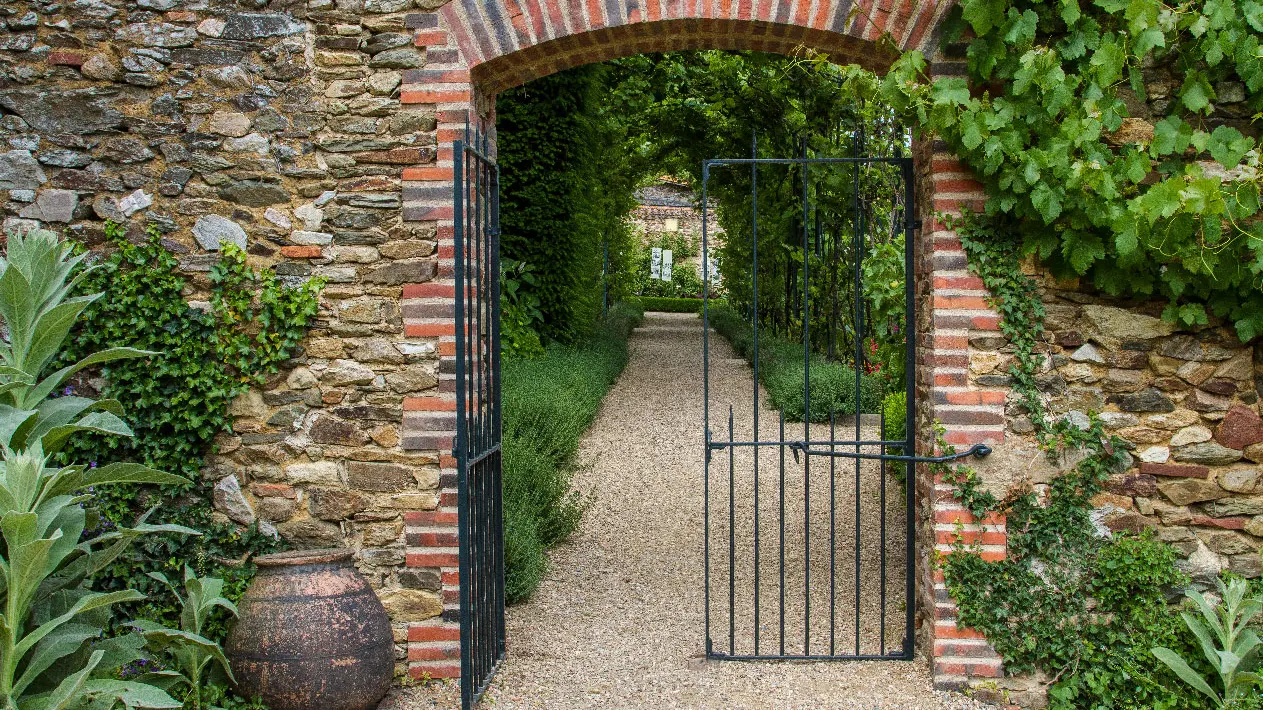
{"x":978,"y":451}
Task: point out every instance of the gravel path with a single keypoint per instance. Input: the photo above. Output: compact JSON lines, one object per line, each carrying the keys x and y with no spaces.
{"x":619,"y":620}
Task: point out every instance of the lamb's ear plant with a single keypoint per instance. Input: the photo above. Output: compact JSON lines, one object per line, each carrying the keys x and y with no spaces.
{"x":194,"y":657}
{"x":52,"y":656}
{"x":1230,"y":647}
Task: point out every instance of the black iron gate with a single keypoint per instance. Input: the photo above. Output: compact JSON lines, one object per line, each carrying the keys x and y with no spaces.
{"x":478,"y":428}
{"x":811,"y":555}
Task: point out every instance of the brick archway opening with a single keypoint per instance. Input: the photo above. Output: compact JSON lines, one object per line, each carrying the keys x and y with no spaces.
{"x":478,"y":48}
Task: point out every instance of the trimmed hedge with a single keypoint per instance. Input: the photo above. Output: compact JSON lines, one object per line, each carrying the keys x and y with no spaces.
{"x":664,"y":304}
{"x":547,"y":404}
{"x":781,"y":370}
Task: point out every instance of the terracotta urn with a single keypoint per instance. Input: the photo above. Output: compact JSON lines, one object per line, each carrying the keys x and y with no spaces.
{"x":311,"y":634}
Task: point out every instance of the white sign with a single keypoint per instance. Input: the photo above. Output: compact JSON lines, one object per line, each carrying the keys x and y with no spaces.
{"x":655,"y":263}
{"x":666,"y":264}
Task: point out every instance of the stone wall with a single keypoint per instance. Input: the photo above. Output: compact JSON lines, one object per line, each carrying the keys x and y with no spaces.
{"x":276,"y":126}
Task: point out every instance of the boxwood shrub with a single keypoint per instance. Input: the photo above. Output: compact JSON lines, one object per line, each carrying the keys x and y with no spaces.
{"x":781,"y":370}
{"x":547,"y":404}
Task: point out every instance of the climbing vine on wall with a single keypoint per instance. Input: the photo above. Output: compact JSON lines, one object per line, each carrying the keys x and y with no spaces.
{"x":178,"y":402}
{"x":1082,"y":607}
{"x":1047,"y":120}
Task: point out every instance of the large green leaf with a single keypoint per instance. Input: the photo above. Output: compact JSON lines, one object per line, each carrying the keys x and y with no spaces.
{"x":51,"y":330}
{"x":1181,"y":668}
{"x":46,"y":386}
{"x":130,"y":693}
{"x":17,"y":306}
{"x":12,"y":421}
{"x":115,"y":473}
{"x":68,"y":692}
{"x":55,"y":646}
{"x":85,"y":603}
{"x":97,"y":422}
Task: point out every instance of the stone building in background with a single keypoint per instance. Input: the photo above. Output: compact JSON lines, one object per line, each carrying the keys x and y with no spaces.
{"x":668,"y":207}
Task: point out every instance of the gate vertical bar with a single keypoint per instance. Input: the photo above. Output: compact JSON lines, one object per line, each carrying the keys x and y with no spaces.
{"x":754,"y":324}
{"x":806,"y":316}
{"x":706,"y":403}
{"x":462,"y":472}
{"x":910,"y":374}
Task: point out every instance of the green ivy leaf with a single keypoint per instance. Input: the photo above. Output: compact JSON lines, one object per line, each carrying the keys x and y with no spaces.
{"x":1046,"y":201}
{"x":1228,"y":146}
{"x":984,"y":15}
{"x":1196,"y":92}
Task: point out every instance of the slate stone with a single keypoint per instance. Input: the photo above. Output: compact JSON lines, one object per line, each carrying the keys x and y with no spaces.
{"x":387,"y":40}
{"x":311,"y":533}
{"x":127,"y":151}
{"x":1241,"y":427}
{"x":1146,"y":400}
{"x":247,"y":26}
{"x":1210,"y":453}
{"x":75,"y":111}
{"x":333,"y":504}
{"x":1236,"y":505}
{"x":1183,"y":347}
{"x":230,"y":501}
{"x":1135,"y":485}
{"x":52,"y":206}
{"x":17,"y":43}
{"x":1191,"y":490}
{"x":19,"y":171}
{"x":212,"y":230}
{"x":328,"y":430}
{"x":63,"y":158}
{"x":379,"y":477}
{"x":1203,"y":401}
{"x":157,"y":34}
{"x":254,"y":194}
{"x":402,"y":272}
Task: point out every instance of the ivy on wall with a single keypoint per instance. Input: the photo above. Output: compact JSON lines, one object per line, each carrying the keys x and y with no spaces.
{"x":178,"y":402}
{"x":1082,"y":608}
{"x":1047,"y":119}
{"x":566,"y":186}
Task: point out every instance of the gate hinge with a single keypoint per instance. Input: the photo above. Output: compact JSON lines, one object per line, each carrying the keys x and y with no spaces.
{"x":916,"y":224}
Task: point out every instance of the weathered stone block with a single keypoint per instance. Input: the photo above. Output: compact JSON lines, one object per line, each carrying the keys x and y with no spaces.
{"x":1208,"y":452}
{"x":1241,"y":427}
{"x":380,"y":477}
{"x":328,"y":430}
{"x":318,"y":473}
{"x":19,"y":171}
{"x":335,"y":503}
{"x":1191,"y":490}
{"x":412,"y":604}
{"x":310,"y":533}
{"x":398,"y":273}
{"x":1146,"y":400}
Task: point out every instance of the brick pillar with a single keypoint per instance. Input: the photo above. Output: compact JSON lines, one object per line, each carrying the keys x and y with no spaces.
{"x":429,"y":311}
{"x":953,"y":313}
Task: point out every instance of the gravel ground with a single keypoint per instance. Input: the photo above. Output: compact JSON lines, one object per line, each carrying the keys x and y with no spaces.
{"x":619,"y":620}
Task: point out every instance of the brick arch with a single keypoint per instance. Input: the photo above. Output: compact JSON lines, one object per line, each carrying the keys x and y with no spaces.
{"x":509,"y":42}
{"x":477,"y":48}
{"x":555,"y":55}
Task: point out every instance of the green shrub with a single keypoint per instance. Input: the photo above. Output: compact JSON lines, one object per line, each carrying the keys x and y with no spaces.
{"x":894,"y":427}
{"x":663,"y":304}
{"x":547,"y":404}
{"x":781,"y":368}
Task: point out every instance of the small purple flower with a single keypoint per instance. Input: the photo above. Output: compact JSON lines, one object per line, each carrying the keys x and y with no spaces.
{"x":92,"y":464}
{"x":68,"y":391}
